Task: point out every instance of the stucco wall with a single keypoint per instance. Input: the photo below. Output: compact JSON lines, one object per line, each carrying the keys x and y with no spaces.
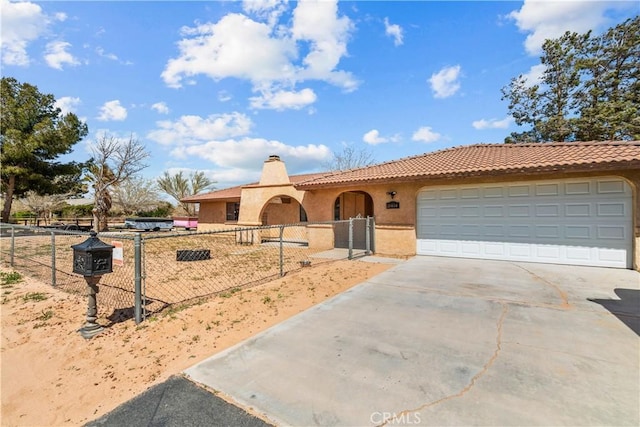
{"x":320,"y":236}
{"x":319,"y":203}
{"x":281,"y":213}
{"x":212,"y":213}
{"x":395,"y":240}
{"x":634,"y":181}
{"x":253,"y":199}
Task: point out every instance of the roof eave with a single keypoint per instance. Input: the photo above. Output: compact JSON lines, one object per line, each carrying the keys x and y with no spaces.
{"x":533,"y":170}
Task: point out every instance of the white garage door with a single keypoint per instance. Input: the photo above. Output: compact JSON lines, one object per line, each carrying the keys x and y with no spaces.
{"x":578,"y":222}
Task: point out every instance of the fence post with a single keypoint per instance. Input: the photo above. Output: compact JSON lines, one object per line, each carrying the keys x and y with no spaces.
{"x":350,"y":238}
{"x":373,"y":234}
{"x":367,"y":237}
{"x":281,"y":251}
{"x":12,"y":250}
{"x":137,"y":255}
{"x":53,"y":259}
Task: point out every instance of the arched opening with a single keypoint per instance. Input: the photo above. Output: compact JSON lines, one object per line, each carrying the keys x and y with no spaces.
{"x":352,"y":204}
{"x":282,"y":209}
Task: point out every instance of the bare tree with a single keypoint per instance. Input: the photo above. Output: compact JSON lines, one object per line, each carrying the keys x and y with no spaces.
{"x":114,"y":161}
{"x":350,"y":158}
{"x":178,"y":187}
{"x":43,"y":205}
{"x":135,"y":194}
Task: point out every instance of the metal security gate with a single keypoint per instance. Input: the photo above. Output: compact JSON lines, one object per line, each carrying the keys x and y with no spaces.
{"x":359,"y":233}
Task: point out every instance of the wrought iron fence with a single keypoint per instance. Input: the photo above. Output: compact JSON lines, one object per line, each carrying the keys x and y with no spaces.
{"x":157,"y":270}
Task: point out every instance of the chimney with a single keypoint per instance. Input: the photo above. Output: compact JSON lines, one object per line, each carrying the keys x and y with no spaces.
{"x":274,"y":172}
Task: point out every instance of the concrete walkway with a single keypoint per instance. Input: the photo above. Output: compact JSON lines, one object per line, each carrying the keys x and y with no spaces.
{"x":442,"y":341}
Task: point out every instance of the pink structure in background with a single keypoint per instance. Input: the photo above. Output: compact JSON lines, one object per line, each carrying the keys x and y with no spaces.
{"x":187,"y":222}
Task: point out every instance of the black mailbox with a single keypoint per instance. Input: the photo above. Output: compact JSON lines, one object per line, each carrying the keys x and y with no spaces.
{"x":93,"y":257}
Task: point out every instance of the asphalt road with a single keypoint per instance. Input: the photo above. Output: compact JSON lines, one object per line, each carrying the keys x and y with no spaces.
{"x":177,"y":402}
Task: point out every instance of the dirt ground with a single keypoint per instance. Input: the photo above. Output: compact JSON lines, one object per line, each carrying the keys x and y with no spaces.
{"x":50,"y":375}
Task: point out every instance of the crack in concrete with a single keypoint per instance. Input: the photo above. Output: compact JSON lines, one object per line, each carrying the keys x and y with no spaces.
{"x":472,"y":382}
{"x":563,"y":295}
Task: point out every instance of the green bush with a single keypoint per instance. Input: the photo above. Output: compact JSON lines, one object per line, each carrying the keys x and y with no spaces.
{"x":23,"y":215}
{"x":78,"y":211}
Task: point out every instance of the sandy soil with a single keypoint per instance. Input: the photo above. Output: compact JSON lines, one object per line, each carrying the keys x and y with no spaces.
{"x":50,"y":375}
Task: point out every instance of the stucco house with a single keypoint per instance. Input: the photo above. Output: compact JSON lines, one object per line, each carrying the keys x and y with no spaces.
{"x":568,"y":203}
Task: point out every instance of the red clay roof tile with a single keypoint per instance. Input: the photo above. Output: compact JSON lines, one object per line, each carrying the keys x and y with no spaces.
{"x":478,"y":159}
{"x":481,"y":159}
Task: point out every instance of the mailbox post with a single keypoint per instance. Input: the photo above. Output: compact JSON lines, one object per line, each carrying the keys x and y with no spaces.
{"x":92,"y":258}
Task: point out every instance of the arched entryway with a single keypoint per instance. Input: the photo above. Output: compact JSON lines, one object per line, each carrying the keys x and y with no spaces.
{"x":353,"y":204}
{"x":282,"y":209}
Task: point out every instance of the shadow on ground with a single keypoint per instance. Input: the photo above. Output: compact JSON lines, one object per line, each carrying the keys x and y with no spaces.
{"x":627,"y":308}
{"x":177,"y":402}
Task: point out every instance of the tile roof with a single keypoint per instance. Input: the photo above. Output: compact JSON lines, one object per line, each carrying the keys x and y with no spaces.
{"x":234,"y":192}
{"x":492,"y":159}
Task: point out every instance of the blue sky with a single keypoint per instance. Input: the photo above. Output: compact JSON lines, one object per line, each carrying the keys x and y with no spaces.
{"x":219,"y":86}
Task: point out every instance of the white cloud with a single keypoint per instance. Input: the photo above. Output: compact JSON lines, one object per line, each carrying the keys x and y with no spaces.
{"x":60,"y":16}
{"x":56,"y":55}
{"x":160,"y":107}
{"x":266,"y":9}
{"x":267,"y":54}
{"x":224,"y":96}
{"x":283,"y":100}
{"x":550,"y":19}
{"x":235,"y":46}
{"x":373,"y":137}
{"x":318,"y":23}
{"x":534,"y":75}
{"x":393,"y":30}
{"x":101,"y":52}
{"x":234,"y":176}
{"x":67,"y":104}
{"x":250,"y":153}
{"x":425,"y":134}
{"x":492,"y":123}
{"x":20,"y":24}
{"x":190,"y":130}
{"x":445,"y":82}
{"x":112,"y":110}
{"x":209,"y":173}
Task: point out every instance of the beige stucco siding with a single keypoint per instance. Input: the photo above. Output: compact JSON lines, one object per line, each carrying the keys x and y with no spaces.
{"x":254,"y":199}
{"x":320,"y":236}
{"x":281,"y":213}
{"x":212,"y":213}
{"x":395,"y":240}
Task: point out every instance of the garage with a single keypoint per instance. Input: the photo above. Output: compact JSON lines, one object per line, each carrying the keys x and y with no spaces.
{"x":578,"y":222}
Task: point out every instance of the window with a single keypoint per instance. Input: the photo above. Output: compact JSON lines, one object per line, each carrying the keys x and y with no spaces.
{"x":233,"y":210}
{"x":303,"y":215}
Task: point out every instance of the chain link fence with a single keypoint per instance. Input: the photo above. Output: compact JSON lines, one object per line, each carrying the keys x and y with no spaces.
{"x":161,"y":269}
{"x":46,"y":254}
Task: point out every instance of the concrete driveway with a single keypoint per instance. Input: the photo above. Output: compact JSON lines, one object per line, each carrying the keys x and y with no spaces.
{"x":443,"y":341}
